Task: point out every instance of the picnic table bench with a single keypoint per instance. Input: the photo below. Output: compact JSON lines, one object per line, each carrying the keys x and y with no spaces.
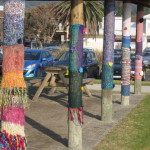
{"x":51,"y":81}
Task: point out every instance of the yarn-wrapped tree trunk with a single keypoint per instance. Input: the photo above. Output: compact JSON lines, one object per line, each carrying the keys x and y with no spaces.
{"x":126,"y":39}
{"x":75,"y":76}
{"x":13,"y":88}
{"x":139,"y":49}
{"x":108,"y":60}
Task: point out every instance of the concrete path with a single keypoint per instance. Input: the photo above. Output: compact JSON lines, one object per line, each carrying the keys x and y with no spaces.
{"x":46,"y":119}
{"x":145,"y":89}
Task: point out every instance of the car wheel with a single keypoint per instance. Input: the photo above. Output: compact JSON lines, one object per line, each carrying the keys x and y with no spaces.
{"x":39,"y":72}
{"x":85,"y":75}
{"x":144,"y":76}
{"x":98,"y":73}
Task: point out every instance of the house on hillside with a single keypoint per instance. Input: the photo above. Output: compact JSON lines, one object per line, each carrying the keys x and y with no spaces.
{"x":98,"y":42}
{"x":147,"y":29}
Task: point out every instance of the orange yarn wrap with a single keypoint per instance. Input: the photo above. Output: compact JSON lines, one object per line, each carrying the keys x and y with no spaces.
{"x":13,"y":79}
{"x":12,"y":67}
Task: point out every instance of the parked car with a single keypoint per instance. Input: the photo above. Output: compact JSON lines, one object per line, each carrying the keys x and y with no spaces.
{"x":117,"y":51}
{"x":90,"y":67}
{"x":34,"y":60}
{"x":146,"y":58}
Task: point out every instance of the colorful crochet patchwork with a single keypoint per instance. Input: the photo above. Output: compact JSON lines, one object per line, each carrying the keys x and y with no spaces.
{"x":13,"y":94}
{"x":11,"y":142}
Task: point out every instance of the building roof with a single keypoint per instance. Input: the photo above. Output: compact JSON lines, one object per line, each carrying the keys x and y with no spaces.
{"x":147,"y":16}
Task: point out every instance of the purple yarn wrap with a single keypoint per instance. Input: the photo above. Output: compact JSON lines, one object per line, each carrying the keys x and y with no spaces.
{"x":108,"y":53}
{"x":76,"y":45}
{"x":13,"y":21}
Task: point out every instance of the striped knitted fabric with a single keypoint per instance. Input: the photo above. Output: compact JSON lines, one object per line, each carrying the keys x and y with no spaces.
{"x":13,"y":96}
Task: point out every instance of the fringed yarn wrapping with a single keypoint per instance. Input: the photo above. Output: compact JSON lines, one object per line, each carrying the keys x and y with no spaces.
{"x":12,"y":142}
{"x":76,"y":114}
{"x":13,"y":97}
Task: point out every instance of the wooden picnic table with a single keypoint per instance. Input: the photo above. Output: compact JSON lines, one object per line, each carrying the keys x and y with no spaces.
{"x":50,"y":80}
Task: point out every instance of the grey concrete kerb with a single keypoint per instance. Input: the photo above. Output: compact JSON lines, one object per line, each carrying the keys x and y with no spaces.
{"x":145,"y":89}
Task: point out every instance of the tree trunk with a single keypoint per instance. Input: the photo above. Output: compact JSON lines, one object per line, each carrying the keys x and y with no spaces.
{"x":108,"y":60}
{"x":125,"y":78}
{"x":139,"y":48}
{"x":75,"y":76}
{"x":13,"y":94}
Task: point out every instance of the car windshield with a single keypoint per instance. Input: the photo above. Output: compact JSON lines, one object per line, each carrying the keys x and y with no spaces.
{"x":64,"y":57}
{"x":117,"y":59}
{"x":146,"y":53}
{"x":31,"y":55}
{"x":1,"y":56}
{"x":118,"y":51}
{"x":132,"y":58}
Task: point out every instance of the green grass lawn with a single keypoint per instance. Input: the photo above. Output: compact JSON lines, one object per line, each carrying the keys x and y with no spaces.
{"x":118,"y":82}
{"x":133,"y":133}
{"x":146,"y":83}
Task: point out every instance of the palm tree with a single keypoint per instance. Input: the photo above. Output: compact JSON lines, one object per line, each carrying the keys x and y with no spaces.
{"x":93,"y":14}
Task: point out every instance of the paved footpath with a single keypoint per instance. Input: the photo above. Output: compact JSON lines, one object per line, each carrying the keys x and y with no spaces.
{"x":46,"y":119}
{"x":145,"y":89}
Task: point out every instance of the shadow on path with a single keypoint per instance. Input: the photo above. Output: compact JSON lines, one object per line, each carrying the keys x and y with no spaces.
{"x":46,"y":131}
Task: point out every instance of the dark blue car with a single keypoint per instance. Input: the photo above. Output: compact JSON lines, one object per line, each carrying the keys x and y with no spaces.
{"x":90,"y":66}
{"x":35,"y":60}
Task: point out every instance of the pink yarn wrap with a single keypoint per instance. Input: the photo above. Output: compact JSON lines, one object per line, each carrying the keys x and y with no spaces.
{"x":13,"y":115}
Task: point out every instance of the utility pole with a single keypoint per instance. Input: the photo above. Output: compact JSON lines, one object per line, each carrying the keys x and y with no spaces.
{"x":126,"y":40}
{"x":139,"y":48}
{"x":75,"y":76}
{"x":108,"y":60}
